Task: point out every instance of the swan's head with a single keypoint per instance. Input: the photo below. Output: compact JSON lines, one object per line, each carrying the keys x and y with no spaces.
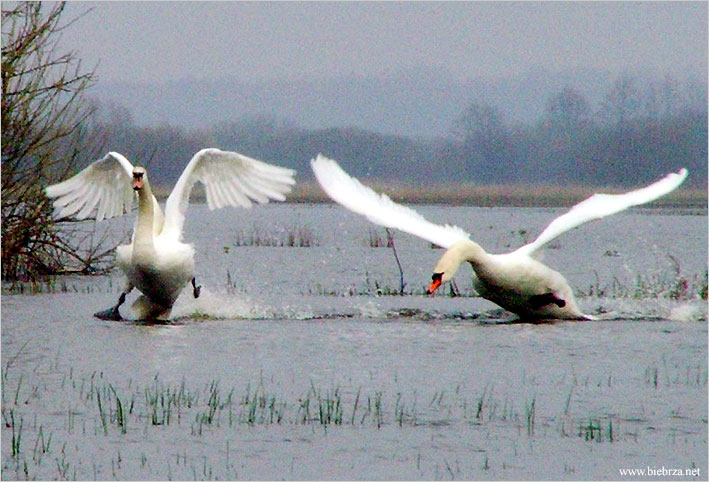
{"x":451,"y":260}
{"x":444,"y":271}
{"x":140,"y":178}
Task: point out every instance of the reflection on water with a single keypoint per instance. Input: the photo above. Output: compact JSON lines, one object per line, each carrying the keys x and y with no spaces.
{"x":427,"y":387}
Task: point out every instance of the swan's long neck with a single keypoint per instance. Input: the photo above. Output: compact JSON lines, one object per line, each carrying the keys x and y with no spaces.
{"x":458,"y":253}
{"x":146,"y":213}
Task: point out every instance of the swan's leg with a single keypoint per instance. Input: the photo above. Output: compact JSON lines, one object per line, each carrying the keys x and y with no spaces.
{"x":196,"y":289}
{"x":112,"y":314}
{"x":537,"y":301}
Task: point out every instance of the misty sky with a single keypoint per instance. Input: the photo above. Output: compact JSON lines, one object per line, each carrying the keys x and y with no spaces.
{"x":145,"y":41}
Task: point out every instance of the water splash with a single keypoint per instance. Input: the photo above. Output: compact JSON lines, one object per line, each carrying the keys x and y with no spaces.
{"x":646,"y":309}
{"x":370,"y":309}
{"x":227,"y":305}
{"x":688,"y":312}
{"x":220,"y":306}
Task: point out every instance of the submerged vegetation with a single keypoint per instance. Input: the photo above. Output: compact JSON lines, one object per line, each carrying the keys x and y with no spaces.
{"x":670,"y":284}
{"x":95,"y":408}
{"x":643,"y":288}
{"x":654,"y":286}
{"x":295,"y":237}
{"x":666,"y":285}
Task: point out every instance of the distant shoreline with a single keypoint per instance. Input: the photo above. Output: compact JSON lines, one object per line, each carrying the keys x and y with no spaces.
{"x":482,"y":196}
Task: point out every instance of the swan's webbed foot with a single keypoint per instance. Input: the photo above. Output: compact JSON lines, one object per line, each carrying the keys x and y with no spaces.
{"x":112,"y":314}
{"x":196,"y":289}
{"x":537,"y":301}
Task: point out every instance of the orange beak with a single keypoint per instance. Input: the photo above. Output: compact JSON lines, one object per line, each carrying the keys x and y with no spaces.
{"x":434,"y":285}
{"x":137,"y":183}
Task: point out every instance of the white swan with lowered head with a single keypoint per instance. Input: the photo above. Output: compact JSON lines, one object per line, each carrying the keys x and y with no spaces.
{"x":515,"y":281}
{"x":157,"y":262}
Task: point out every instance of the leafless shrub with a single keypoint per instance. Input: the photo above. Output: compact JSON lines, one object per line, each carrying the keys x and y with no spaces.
{"x":44,"y":129}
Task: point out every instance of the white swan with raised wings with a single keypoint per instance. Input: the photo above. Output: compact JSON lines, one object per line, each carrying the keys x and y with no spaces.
{"x":157,"y":262}
{"x":515,"y":281}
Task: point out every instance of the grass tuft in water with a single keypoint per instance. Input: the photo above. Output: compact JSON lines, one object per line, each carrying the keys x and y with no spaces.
{"x":137,"y":409}
{"x":376,"y":240}
{"x":294,"y":237}
{"x":668,"y":284}
{"x":530,"y":416}
{"x":596,"y":430}
{"x":16,"y":441}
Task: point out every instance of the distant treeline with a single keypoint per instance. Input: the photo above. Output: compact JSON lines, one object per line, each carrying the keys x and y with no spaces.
{"x":637,"y":134}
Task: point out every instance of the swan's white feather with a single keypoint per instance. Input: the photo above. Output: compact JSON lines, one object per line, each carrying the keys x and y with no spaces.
{"x":156,"y":261}
{"x":602,"y":205}
{"x":230,"y":179}
{"x":515,"y":281}
{"x":378,"y":208}
{"x":104,"y":186}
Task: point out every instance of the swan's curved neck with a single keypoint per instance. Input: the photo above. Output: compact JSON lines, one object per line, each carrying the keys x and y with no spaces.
{"x":146,"y":212}
{"x":458,"y":253}
{"x":467,"y":250}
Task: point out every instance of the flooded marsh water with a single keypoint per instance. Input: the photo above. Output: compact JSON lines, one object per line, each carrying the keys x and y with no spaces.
{"x":293,"y":365}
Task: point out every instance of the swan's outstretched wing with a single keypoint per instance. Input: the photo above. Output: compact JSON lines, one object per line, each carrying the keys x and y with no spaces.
{"x":230,"y":179}
{"x":601,"y":205}
{"x":104,"y":185}
{"x":377,"y":208}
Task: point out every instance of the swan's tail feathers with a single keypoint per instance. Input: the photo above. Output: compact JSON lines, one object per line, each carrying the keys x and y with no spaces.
{"x":379,"y":208}
{"x":602,"y":205}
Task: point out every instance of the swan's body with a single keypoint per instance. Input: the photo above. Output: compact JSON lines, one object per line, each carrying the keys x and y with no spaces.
{"x":157,"y":262}
{"x":515,"y":281}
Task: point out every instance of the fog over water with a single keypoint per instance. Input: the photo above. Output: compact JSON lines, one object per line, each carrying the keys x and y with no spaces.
{"x":400,"y":68}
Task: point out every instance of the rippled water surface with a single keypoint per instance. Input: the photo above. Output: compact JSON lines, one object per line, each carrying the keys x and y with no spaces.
{"x":296,"y":364}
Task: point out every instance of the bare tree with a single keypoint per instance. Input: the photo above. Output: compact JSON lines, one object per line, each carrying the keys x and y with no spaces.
{"x":44,"y":128}
{"x":487,"y":142}
{"x":621,"y":105}
{"x":567,"y":109}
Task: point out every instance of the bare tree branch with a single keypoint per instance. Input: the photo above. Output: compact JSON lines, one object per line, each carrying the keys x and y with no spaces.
{"x":45,"y":118}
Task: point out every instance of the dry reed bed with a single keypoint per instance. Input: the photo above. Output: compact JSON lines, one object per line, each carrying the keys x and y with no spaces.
{"x":469,"y":194}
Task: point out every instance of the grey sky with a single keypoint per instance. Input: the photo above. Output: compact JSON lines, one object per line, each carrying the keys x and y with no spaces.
{"x":153,"y":41}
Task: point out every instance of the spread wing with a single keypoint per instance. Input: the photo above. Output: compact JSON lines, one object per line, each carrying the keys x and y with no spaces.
{"x":101,"y":190}
{"x":378,"y":208}
{"x":601,"y":205}
{"x":230,"y":179}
